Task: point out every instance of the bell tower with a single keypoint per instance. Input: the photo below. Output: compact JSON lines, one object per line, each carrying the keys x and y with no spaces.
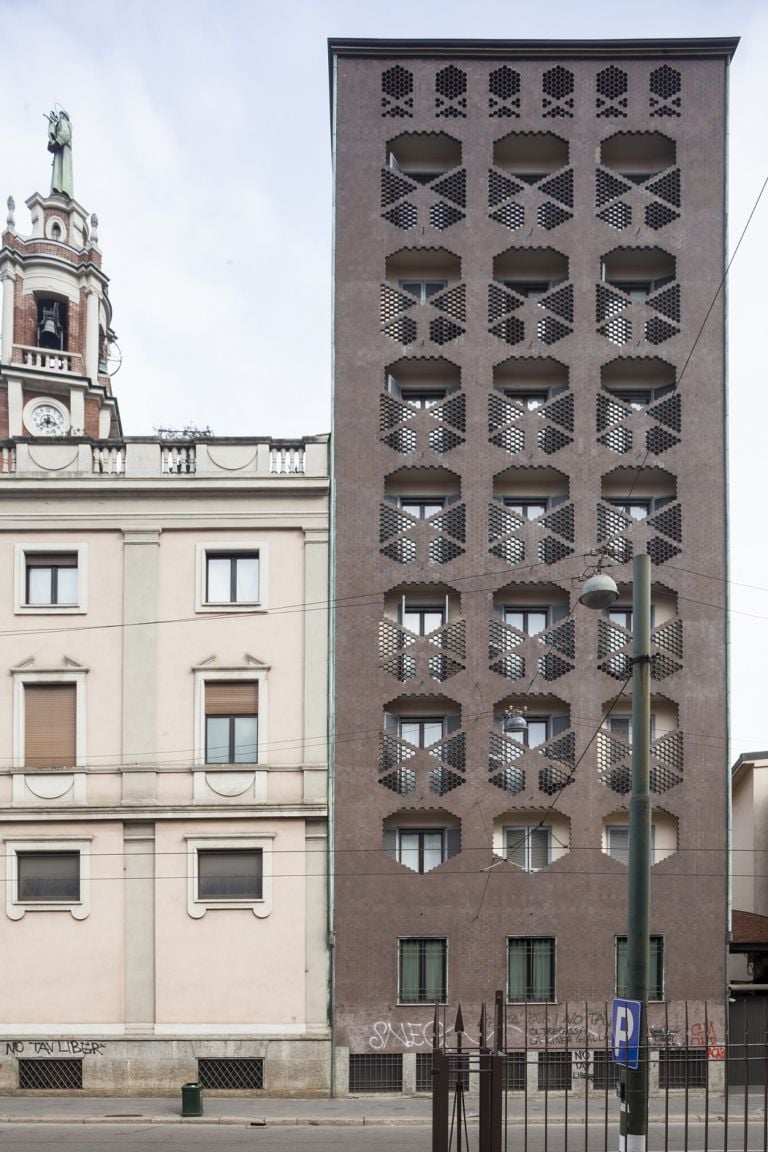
{"x":57,"y":335}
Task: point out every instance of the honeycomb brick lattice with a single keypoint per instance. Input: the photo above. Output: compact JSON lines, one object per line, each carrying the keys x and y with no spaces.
{"x":560,"y":411}
{"x":453,"y":187}
{"x":504,"y":93}
{"x":667,"y":302}
{"x":560,"y":187}
{"x":392,"y":522}
{"x":511,"y":330}
{"x":442,"y":550}
{"x":609,"y":303}
{"x":511,"y":439}
{"x":557,"y":93}
{"x":402,"y":781}
{"x":553,"y":779}
{"x":451,"y":638}
{"x":392,"y":412}
{"x":404,"y":215}
{"x":667,"y":187}
{"x":392,"y":644}
{"x":611,"y":93}
{"x":232,"y":1073}
{"x":501,"y":187}
{"x":503,"y":658}
{"x":560,"y":302}
{"x":501,"y":301}
{"x":549,"y":216}
{"x":392,"y":303}
{"x":668,"y":411}
{"x":512,"y":551}
{"x":561,"y":520}
{"x":617,"y":440}
{"x":550,"y":331}
{"x":665,"y":87}
{"x":401,"y":551}
{"x":442,"y":216}
{"x":401,"y":440}
{"x":452,"y":752}
{"x":443,"y":440}
{"x":657,"y":331}
{"x":452,"y":411}
{"x":552,"y":667}
{"x":617,"y":331}
{"x":561,"y":638}
{"x":658,"y":215}
{"x":552,"y":551}
{"x":504,"y":771}
{"x":617,"y":216}
{"x":451,"y":93}
{"x":394,"y":186}
{"x":453,"y":521}
{"x":443,"y":331}
{"x":393,"y":752}
{"x":614,"y":763}
{"x":453,"y":301}
{"x":658,"y":440}
{"x":511,"y":215}
{"x":609,"y":187}
{"x":397,"y":92}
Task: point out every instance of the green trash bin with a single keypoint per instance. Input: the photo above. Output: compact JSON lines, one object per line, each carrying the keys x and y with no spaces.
{"x":192,"y":1099}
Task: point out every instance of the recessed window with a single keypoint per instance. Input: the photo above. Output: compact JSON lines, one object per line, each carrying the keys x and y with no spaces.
{"x":422,"y":618}
{"x":232,"y":872}
{"x":423,"y":289}
{"x":232,"y":579}
{"x":422,"y":397}
{"x":617,"y":843}
{"x":421,"y":849}
{"x":531,"y":968}
{"x":528,"y":846}
{"x":528,"y":400}
{"x":528,"y":509}
{"x":51,"y":578}
{"x":229,"y":873}
{"x":422,"y":731}
{"x":232,"y":575}
{"x":231,"y":722}
{"x":655,"y":967}
{"x":50,"y":725}
{"x":47,"y":876}
{"x":422,"y":507}
{"x":423,"y":971}
{"x":531,"y":621}
{"x":538,"y":730}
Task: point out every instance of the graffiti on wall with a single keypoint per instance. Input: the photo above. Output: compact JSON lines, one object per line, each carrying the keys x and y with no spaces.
{"x":54,"y":1048}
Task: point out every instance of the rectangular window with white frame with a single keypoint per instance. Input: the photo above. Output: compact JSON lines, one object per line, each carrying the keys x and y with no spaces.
{"x":48,"y":719}
{"x":529,"y":846}
{"x":45,"y":875}
{"x":50,"y":578}
{"x":231,"y":575}
{"x":231,"y":722}
{"x":229,"y":873}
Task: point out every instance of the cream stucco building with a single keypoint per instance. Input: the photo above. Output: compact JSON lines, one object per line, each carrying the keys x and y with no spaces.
{"x":163,"y":699}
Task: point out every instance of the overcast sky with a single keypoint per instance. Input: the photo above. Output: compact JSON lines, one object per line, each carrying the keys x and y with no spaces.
{"x":201,"y":139}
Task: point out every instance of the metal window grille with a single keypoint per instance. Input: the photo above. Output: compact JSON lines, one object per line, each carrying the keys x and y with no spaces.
{"x":458,"y":1069}
{"x":683,"y":1068}
{"x":375,"y":1072}
{"x":423,"y":1071}
{"x":232,"y":1073}
{"x":515,"y":1072}
{"x":51,"y":1075}
{"x":555,"y":1071}
{"x":605,"y":1071}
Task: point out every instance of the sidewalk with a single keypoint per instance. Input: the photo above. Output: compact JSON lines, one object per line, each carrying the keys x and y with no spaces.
{"x":265,"y":1111}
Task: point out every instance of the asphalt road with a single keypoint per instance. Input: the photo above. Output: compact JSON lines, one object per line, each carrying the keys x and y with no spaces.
{"x":398,"y":1138}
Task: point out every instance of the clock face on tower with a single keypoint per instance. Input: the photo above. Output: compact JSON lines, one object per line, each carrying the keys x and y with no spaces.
{"x":46,"y":418}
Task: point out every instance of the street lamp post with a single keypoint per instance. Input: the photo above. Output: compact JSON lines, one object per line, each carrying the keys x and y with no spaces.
{"x":599,"y":592}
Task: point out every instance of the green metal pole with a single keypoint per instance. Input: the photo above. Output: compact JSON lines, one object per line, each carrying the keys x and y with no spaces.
{"x":639,"y":903}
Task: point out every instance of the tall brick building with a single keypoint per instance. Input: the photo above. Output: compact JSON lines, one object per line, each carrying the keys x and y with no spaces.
{"x":529,"y":367}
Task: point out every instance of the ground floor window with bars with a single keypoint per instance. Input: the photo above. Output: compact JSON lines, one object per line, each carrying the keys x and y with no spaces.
{"x":231,"y":1073}
{"x":51,"y":1075}
{"x":422,"y":970}
{"x":683,"y":1068}
{"x":515,"y":1071}
{"x":606,"y":1073}
{"x":375,"y":1072}
{"x":531,"y":968}
{"x":458,"y":1070}
{"x":555,"y":1071}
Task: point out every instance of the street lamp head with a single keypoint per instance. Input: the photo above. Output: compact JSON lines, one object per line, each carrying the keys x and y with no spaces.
{"x":599,"y":591}
{"x":514,"y":721}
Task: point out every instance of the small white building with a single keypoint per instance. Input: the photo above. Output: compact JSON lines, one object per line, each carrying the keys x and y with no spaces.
{"x":163,"y":768}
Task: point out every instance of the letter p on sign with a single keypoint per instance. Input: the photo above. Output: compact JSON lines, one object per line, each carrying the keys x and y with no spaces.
{"x":625,"y":1032}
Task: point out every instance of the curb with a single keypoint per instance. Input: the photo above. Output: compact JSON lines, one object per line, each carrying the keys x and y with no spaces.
{"x":337,"y":1121}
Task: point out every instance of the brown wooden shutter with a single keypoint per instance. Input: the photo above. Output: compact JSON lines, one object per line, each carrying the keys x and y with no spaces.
{"x":231,"y":698}
{"x":49,"y":725}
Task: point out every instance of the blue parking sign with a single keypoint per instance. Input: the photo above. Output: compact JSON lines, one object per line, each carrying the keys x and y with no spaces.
{"x":625,"y":1032}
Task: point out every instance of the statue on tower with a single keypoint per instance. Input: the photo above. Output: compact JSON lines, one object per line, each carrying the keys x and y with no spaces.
{"x":60,"y":143}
